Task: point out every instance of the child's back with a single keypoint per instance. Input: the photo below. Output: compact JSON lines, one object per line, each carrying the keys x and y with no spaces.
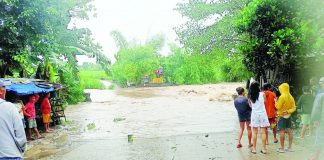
{"x":305,"y":103}
{"x":243,"y":109}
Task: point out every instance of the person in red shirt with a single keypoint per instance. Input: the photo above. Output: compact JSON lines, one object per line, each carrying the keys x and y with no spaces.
{"x":271,"y":110}
{"x":46,"y":111}
{"x":30,"y":113}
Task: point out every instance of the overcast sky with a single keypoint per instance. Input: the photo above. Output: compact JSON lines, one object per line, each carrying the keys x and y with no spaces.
{"x":135,"y":19}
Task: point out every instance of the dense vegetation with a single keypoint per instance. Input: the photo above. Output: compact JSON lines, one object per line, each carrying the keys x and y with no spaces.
{"x":231,"y":41}
{"x":225,"y":40}
{"x":277,"y":36}
{"x":136,"y":61}
{"x":37,"y":41}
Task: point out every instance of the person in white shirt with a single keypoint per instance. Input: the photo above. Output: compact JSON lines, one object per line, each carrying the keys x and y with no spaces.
{"x":13,"y":139}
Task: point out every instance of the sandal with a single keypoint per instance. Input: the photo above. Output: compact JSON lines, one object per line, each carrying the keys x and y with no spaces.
{"x":279,"y":150}
{"x":276,"y":141}
{"x":263,"y":152}
{"x":251,"y":145}
{"x":239,"y":146}
{"x":254,"y":152}
{"x":30,"y":139}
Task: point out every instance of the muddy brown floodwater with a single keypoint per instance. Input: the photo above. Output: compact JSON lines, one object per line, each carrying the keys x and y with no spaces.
{"x":166,"y":123}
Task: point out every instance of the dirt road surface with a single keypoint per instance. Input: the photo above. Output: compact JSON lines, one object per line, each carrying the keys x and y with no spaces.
{"x":163,"y":123}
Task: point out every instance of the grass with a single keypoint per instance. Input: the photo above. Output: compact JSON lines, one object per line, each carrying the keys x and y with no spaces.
{"x":119,"y":119}
{"x":91,"y":126}
{"x":91,"y":79}
{"x":67,"y":122}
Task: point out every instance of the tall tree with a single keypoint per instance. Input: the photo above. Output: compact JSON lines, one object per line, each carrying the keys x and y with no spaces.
{"x":210,"y":24}
{"x":276,"y":37}
{"x":37,"y":33}
{"x":34,"y":30}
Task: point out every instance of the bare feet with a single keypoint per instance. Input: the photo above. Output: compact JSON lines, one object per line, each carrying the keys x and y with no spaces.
{"x":39,"y":136}
{"x":48,"y":131}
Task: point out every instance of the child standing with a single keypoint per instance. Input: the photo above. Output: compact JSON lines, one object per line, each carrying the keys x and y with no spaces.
{"x":244,"y":114}
{"x":305,"y":103}
{"x":270,"y":102}
{"x":259,"y":118}
{"x":30,"y":113}
{"x":46,"y":111}
{"x":285,"y":107}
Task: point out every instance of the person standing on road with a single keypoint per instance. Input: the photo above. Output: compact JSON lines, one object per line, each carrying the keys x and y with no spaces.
{"x":259,"y":118}
{"x":285,"y":107}
{"x":305,"y":103}
{"x":12,"y":134}
{"x":317,"y":118}
{"x":271,"y":110}
{"x":244,"y":114}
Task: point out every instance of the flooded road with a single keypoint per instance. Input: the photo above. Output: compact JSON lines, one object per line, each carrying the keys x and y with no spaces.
{"x":164,"y":123}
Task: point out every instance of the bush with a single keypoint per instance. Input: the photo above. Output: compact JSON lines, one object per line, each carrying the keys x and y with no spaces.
{"x":133,"y":63}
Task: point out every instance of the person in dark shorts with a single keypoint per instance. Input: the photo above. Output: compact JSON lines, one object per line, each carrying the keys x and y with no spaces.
{"x":244,"y":114}
{"x":285,"y":108}
{"x":305,"y":103}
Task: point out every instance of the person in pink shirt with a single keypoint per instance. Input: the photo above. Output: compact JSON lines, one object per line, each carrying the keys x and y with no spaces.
{"x":30,"y":113}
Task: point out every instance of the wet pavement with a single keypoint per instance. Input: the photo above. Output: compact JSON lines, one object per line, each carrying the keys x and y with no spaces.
{"x":167,"y":123}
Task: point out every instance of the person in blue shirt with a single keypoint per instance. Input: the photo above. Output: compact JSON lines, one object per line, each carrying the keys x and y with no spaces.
{"x":244,"y":115}
{"x":318,"y":119}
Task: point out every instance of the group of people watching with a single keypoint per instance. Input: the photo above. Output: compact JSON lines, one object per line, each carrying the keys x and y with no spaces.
{"x":262,"y":109}
{"x":13,"y":118}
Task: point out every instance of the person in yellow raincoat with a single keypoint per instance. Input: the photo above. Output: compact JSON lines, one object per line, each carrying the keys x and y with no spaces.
{"x":285,"y":107}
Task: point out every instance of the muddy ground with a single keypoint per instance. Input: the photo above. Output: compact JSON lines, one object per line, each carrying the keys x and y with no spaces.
{"x":163,"y":123}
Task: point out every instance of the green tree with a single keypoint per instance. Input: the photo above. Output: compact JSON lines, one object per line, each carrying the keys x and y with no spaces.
{"x":35,"y":32}
{"x":210,"y":24}
{"x":276,"y":37}
{"x":133,"y":61}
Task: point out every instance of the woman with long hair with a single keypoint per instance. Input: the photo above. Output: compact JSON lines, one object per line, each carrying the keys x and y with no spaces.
{"x":259,"y":118}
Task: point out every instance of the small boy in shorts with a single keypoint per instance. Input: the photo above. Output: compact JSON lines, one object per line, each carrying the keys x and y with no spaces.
{"x":46,"y":111}
{"x":305,"y":103}
{"x":30,"y":113}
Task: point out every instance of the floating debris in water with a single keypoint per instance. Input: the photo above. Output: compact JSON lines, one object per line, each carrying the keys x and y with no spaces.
{"x":119,"y":119}
{"x":130,"y":138}
{"x":91,"y":126}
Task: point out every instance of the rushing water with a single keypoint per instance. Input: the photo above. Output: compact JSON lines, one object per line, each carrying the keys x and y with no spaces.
{"x":166,"y":123}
